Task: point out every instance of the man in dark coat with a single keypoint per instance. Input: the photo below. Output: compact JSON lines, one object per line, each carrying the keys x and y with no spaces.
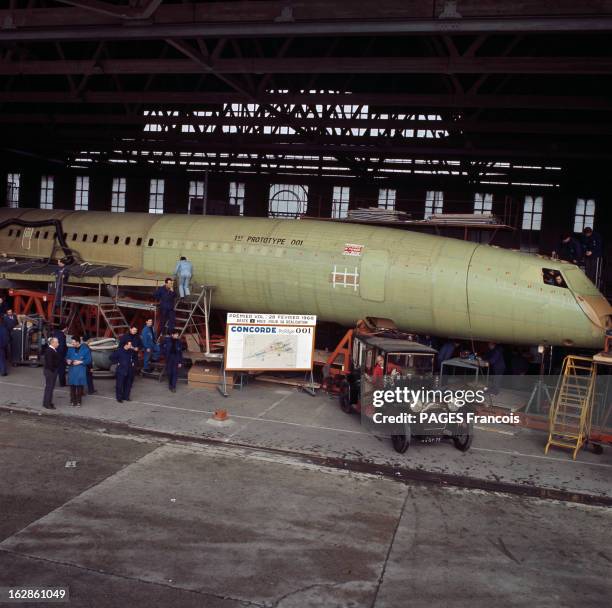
{"x":51,"y":362}
{"x":11,"y":321}
{"x":136,"y":341}
{"x":4,"y":342}
{"x":173,"y":352}
{"x":62,"y":274}
{"x":62,"y":349}
{"x":124,"y":374}
{"x":167,"y":301}
{"x":570,"y":249}
{"x":592,"y":247}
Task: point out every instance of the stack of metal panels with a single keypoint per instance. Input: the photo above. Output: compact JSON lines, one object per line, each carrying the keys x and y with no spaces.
{"x":464,"y":218}
{"x":377,"y":214}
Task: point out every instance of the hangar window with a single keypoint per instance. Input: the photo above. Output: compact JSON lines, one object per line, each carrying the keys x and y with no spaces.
{"x":386,"y":198}
{"x":532,"y":212}
{"x":128,"y":240}
{"x":585,"y":214}
{"x":81,"y":193}
{"x":287,"y":200}
{"x":139,"y":241}
{"x":156,"y":196}
{"x":553,"y":277}
{"x":434,"y":203}
{"x":340,"y":201}
{"x":236,"y":195}
{"x":95,"y":238}
{"x":46,"y":192}
{"x":150,"y":243}
{"x":105,"y":239}
{"x":84,"y":239}
{"x":12,"y":194}
{"x":118,"y":195}
{"x":116,"y":241}
{"x":196,"y":191}
{"x":483,"y":203}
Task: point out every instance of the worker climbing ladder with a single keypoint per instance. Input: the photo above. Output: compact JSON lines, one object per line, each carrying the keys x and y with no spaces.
{"x":571,"y":410}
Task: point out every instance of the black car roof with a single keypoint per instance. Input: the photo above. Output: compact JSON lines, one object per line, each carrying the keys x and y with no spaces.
{"x":394,"y":345}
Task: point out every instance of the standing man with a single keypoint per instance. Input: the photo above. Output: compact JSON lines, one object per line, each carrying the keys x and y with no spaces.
{"x":183,"y":272}
{"x":62,"y":274}
{"x":124,"y":374}
{"x":52,"y":360}
{"x":569,"y":249}
{"x":11,"y":321}
{"x":173,"y":351}
{"x":4,"y":342}
{"x":592,"y":246}
{"x":77,"y":358}
{"x":62,"y":349}
{"x":167,"y":301}
{"x":135,"y":345}
{"x":149,"y":344}
{"x":3,"y":306}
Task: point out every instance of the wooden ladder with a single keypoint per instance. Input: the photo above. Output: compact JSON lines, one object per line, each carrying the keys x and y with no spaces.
{"x":571,"y":409}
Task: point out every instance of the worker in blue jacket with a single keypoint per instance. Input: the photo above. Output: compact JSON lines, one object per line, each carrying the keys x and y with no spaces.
{"x":184,"y":272}
{"x":4,"y":341}
{"x":173,"y":352}
{"x":167,"y":301}
{"x":149,"y":345}
{"x":78,"y":358}
{"x":62,"y":349}
{"x":124,"y":374}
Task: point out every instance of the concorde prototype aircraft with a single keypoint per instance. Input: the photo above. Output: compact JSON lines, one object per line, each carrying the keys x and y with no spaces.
{"x":340,"y":272}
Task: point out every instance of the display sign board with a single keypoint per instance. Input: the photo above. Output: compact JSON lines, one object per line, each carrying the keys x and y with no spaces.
{"x":269,"y":342}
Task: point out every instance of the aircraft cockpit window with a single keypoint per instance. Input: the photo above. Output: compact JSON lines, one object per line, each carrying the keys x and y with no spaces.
{"x":127,"y":240}
{"x":553,"y":277}
{"x":116,"y":241}
{"x":151,"y":241}
{"x":105,"y":240}
{"x":139,"y":241}
{"x":84,"y":239}
{"x":95,"y":238}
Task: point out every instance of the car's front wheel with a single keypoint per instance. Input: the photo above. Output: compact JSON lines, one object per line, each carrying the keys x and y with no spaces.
{"x":345,"y":398}
{"x":400,"y":443}
{"x":463,"y":442}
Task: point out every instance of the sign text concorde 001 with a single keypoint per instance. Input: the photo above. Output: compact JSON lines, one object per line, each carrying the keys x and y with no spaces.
{"x":269,"y":342}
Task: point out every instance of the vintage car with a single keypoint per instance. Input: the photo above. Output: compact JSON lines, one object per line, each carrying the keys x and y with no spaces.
{"x":405,"y":364}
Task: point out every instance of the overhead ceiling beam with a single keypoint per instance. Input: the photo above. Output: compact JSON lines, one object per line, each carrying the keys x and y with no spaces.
{"x":116,"y":10}
{"x":304,"y":65}
{"x":112,"y":120}
{"x":196,"y":99}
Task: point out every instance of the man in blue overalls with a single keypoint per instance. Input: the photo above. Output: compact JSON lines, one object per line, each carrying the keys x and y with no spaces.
{"x":124,"y":375}
{"x":149,"y":344}
{"x":183,"y":272}
{"x":173,"y":351}
{"x":167,"y":300}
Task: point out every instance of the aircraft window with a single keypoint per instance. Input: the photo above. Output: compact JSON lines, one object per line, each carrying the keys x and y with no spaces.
{"x":105,"y":240}
{"x":95,"y":238}
{"x":139,"y":241}
{"x":127,"y":240}
{"x":151,"y":241}
{"x":46,"y":235}
{"x":553,"y":277}
{"x":18,"y":233}
{"x":65,"y":235}
{"x":84,"y":239}
{"x":37,"y":234}
{"x":11,"y":232}
{"x":116,"y":240}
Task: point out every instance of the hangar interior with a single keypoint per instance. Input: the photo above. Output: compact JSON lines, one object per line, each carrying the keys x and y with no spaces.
{"x":289,"y":109}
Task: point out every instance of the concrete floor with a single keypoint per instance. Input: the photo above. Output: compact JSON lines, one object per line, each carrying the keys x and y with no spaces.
{"x":143,"y":522}
{"x":280,"y":417}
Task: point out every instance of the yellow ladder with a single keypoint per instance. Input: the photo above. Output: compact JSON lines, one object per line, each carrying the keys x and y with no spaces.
{"x":570,"y":413}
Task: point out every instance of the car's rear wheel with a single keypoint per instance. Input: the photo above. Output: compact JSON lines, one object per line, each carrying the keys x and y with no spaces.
{"x":400,"y":443}
{"x":345,"y":398}
{"x":463,"y":442}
